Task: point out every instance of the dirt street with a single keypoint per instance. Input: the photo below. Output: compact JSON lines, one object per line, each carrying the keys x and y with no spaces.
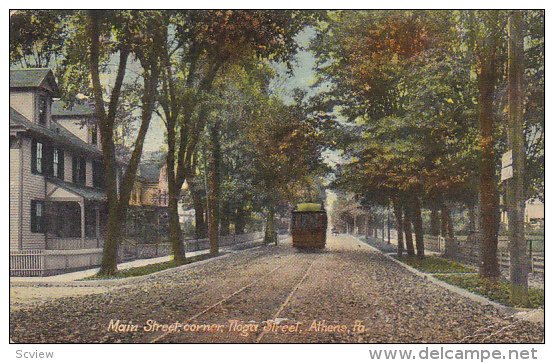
{"x":346,"y":293}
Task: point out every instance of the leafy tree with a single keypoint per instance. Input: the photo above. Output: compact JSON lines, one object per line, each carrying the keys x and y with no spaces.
{"x":142,"y":33}
{"x":37,"y":37}
{"x":204,"y":42}
{"x":281,"y":172}
{"x":370,"y":59}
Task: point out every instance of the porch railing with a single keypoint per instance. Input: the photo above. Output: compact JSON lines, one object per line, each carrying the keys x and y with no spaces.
{"x":72,"y":243}
{"x":26,"y":262}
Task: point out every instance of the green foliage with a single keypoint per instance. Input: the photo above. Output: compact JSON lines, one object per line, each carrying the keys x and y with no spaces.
{"x":37,"y":37}
{"x":496,"y":291}
{"x":345,"y":210}
{"x":436,"y":265}
{"x":534,"y":104}
{"x":406,"y":82}
{"x":414,"y":103}
{"x":149,"y":269}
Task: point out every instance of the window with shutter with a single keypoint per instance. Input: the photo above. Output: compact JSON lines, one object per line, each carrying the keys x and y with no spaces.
{"x":38,"y":157}
{"x":74,"y":169}
{"x":55,"y":162}
{"x":37,"y":216}
{"x":61,"y":164}
{"x":97,"y":174}
{"x":47,"y":159}
{"x":83,"y":171}
{"x":34,"y":156}
{"x":78,"y":170}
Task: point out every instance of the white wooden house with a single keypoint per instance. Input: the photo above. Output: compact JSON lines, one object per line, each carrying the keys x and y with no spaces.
{"x":57,"y":197}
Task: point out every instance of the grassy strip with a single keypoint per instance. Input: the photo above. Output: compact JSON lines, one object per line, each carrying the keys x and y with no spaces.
{"x":148,"y":269}
{"x":499,"y":291}
{"x":435,"y":265}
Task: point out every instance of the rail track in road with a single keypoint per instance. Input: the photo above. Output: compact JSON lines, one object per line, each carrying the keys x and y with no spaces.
{"x":236,"y":298}
{"x":270,"y":289}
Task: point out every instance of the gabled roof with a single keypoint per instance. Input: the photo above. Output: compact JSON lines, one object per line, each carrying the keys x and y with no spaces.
{"x":60,"y":109}
{"x":88,"y":193}
{"x":34,"y":78}
{"x":55,"y":132}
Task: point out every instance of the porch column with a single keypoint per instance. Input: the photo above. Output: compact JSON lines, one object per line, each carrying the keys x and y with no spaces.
{"x":82,"y":205}
{"x":97,"y":209}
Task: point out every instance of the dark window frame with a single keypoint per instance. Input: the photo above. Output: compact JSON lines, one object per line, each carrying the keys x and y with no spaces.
{"x":37,"y":216}
{"x":80,"y":173}
{"x":37,"y":157}
{"x":42,"y":110}
{"x":98,"y":176}
{"x":55,"y":162}
{"x":58,"y":163}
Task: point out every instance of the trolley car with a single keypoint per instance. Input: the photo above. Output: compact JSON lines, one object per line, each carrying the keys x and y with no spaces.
{"x":309,"y":226}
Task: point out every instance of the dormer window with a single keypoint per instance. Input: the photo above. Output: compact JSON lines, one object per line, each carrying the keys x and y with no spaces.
{"x":42,"y":108}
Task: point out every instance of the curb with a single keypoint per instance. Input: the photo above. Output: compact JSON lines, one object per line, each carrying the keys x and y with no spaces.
{"x":518,"y":313}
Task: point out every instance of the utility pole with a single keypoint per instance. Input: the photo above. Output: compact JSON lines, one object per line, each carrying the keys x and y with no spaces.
{"x":515,"y":193}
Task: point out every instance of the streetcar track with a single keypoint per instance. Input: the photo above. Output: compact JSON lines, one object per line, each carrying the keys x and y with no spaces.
{"x":201,"y":289}
{"x":158,"y":338}
{"x":287,"y":300}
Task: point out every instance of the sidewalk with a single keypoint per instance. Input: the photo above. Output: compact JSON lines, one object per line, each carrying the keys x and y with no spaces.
{"x":78,"y":275}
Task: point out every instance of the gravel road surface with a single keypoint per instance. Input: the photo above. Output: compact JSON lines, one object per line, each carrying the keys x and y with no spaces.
{"x":346,"y":293}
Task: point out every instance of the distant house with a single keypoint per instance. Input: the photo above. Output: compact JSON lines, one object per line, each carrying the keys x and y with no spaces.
{"x":148,"y":216}
{"x":151,"y":185}
{"x":57,"y":197}
{"x":534,"y":214}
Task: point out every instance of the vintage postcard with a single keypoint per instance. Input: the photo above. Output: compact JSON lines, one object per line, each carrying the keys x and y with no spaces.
{"x":278,"y":176}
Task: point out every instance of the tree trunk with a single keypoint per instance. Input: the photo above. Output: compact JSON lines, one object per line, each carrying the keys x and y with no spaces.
{"x":410,"y":250}
{"x":114,"y":235}
{"x":450,"y":224}
{"x":118,"y":194}
{"x":488,"y":218}
{"x":471,"y":216}
{"x":200,"y":228}
{"x":397,"y":207}
{"x":415,"y":216}
{"x":270,"y":235}
{"x":214,"y":158}
{"x":435,"y":222}
{"x":175,"y":233}
{"x":447,"y":226}
{"x":444,"y":221}
{"x":519,"y":264}
{"x":225,"y":228}
{"x":196,"y":192}
{"x":240,"y":220}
